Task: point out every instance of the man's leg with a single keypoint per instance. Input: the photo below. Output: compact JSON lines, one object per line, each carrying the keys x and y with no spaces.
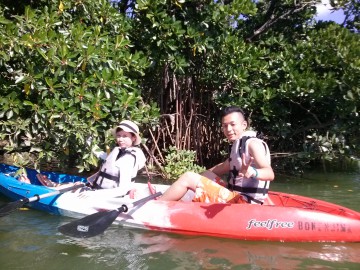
{"x":177,"y":190}
{"x":212,"y":192}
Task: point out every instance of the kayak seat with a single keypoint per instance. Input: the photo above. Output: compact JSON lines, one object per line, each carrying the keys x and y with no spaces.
{"x":268,"y":201}
{"x":23,"y":178}
{"x":45,"y":181}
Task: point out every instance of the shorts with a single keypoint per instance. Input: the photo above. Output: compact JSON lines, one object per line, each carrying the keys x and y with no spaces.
{"x":209,"y":191}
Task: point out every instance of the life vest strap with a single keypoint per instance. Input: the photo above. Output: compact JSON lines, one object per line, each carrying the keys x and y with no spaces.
{"x":263,"y":191}
{"x":252,"y":199}
{"x":108,"y":176}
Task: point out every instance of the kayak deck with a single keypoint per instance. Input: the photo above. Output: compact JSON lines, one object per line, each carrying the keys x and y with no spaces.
{"x":302,"y":202}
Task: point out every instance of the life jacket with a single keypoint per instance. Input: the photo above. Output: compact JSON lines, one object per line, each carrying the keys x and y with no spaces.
{"x":254,"y":190}
{"x":109,"y":175}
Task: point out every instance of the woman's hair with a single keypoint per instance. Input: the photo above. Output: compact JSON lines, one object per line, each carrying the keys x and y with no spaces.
{"x":232,"y":109}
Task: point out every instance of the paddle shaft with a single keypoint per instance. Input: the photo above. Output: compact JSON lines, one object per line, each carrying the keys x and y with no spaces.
{"x":143,"y":200}
{"x":12,"y":206}
{"x":56,"y":192}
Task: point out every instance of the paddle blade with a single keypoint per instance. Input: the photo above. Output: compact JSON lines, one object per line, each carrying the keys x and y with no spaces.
{"x":91,"y":225}
{"x":11,"y":207}
{"x":97,"y":223}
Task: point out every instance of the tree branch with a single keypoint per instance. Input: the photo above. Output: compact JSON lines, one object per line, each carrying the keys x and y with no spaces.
{"x":272,"y":19}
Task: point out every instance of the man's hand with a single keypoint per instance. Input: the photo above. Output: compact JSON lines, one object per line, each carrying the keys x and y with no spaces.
{"x":246,"y":170}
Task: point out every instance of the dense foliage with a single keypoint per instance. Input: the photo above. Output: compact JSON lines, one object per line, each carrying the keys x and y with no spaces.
{"x":71,"y":69}
{"x":67,"y":73}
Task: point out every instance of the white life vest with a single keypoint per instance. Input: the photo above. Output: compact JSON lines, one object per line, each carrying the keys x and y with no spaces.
{"x":109,"y":175}
{"x":253,"y":189}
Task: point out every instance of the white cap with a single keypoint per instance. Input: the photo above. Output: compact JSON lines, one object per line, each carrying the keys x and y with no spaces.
{"x":129,"y":126}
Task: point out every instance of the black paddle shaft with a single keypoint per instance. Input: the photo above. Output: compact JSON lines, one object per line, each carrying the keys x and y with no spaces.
{"x":97,"y":223}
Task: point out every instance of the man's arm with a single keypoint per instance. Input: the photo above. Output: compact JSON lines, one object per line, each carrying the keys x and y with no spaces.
{"x":258,"y":156}
{"x":221,"y":168}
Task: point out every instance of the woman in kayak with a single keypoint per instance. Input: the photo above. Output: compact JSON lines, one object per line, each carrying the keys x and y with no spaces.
{"x":120,"y":166}
{"x":248,"y":167}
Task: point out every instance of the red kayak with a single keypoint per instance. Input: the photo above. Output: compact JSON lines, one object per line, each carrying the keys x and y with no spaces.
{"x":286,"y":217}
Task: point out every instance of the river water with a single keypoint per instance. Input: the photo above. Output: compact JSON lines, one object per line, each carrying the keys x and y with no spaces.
{"x":29,"y":240}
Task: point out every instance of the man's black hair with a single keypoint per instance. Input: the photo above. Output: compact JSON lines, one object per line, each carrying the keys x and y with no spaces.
{"x":232,"y":109}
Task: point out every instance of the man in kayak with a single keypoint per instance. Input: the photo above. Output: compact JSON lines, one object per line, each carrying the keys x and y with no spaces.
{"x":120,"y":166}
{"x":248,"y":167}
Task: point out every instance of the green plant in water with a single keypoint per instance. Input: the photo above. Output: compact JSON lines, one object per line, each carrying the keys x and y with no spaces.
{"x":179,"y":162}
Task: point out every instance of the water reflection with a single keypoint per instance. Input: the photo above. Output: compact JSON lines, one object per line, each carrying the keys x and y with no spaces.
{"x":113,"y":249}
{"x":137,"y":249}
{"x":260,"y":254}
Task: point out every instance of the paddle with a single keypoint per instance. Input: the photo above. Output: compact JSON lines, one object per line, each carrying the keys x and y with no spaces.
{"x":11,"y":207}
{"x":97,"y":223}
